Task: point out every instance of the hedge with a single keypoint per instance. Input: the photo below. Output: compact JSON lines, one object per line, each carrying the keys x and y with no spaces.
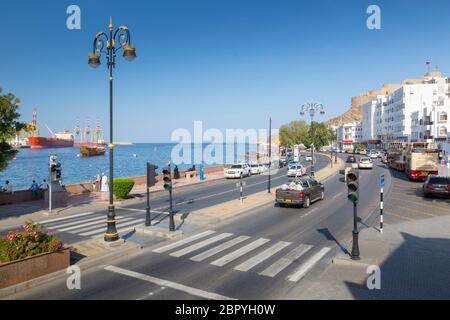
{"x":122,"y":187}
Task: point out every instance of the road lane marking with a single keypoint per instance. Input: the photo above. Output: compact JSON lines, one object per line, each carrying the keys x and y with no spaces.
{"x":92,"y":224}
{"x":284,"y":262}
{"x":103,"y":217}
{"x":398,"y":215}
{"x":66,"y":218}
{"x":76,"y":229}
{"x":414,"y":210}
{"x":184,"y":241}
{"x":141,"y":210}
{"x":209,"y":253}
{"x":421,"y":204}
{"x":266,"y":254}
{"x":308,"y":265}
{"x":199,"y":245}
{"x":169,"y":284}
{"x":337,"y":195}
{"x":90,"y":233}
{"x":240,"y":252}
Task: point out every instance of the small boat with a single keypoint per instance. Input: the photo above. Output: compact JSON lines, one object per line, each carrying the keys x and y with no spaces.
{"x":90,"y":151}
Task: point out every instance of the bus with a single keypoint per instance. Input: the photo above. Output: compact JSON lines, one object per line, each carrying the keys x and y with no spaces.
{"x":421,"y":160}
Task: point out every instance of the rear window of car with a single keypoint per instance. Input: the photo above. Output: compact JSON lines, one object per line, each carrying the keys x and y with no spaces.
{"x":236,"y":166}
{"x":439,"y":180}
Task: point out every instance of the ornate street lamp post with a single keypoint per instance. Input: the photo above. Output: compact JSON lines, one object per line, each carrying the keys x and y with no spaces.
{"x":119,"y":39}
{"x":312,"y":107}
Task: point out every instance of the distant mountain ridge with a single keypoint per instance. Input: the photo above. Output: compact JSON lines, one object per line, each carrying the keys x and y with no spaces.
{"x":354,"y":114}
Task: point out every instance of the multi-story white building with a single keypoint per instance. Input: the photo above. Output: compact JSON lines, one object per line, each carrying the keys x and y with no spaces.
{"x":348,"y":134}
{"x":418,"y":110}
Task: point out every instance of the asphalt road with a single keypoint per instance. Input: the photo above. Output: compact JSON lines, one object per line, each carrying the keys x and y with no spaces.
{"x":266,"y":253}
{"x":262,"y":254}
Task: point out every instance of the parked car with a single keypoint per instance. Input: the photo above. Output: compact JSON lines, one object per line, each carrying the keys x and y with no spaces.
{"x":351,"y":159}
{"x":308,"y":158}
{"x":436,"y":186}
{"x":365,"y":163}
{"x":363,"y":151}
{"x":300,"y":192}
{"x":296,"y":171}
{"x":238,"y":170}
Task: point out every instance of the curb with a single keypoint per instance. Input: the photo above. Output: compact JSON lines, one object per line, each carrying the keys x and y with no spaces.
{"x":84,"y":265}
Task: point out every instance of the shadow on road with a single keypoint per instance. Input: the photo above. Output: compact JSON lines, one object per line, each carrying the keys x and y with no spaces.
{"x":327,"y":234}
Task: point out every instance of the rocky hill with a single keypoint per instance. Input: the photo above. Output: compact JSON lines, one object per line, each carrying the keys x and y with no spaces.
{"x":355,"y":110}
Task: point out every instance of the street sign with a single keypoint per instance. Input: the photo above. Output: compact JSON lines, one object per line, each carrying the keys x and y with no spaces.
{"x":382,"y":180}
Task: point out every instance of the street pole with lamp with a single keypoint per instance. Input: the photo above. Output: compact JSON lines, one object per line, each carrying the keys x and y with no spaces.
{"x":312,"y":107}
{"x":129,"y":53}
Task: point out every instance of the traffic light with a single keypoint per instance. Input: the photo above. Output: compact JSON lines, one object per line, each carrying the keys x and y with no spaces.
{"x":58,"y":171}
{"x":353,"y":185}
{"x":151,"y":174}
{"x":167,"y":178}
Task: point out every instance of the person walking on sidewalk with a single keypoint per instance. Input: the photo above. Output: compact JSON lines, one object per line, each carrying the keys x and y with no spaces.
{"x":34,"y":190}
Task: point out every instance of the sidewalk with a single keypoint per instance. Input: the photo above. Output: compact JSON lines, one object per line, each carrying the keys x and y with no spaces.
{"x":414,"y":259}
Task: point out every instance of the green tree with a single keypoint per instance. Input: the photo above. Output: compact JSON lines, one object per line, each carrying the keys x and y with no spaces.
{"x":9,"y":125}
{"x":293,"y":133}
{"x":320,"y":135}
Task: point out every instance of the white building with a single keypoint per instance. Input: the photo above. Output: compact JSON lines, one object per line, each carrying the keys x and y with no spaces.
{"x":417,"y":111}
{"x":348,"y":134}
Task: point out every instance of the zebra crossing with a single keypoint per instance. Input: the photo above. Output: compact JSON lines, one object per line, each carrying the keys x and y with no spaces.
{"x":89,"y":224}
{"x":224,"y":249}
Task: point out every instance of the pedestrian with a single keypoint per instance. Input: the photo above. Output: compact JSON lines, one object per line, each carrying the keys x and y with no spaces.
{"x":176,"y":173}
{"x":8,"y":188}
{"x":34,"y":190}
{"x":104,"y":183}
{"x":43,"y":185}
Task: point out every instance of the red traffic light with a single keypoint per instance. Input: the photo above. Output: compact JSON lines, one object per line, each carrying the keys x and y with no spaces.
{"x":352,"y":176}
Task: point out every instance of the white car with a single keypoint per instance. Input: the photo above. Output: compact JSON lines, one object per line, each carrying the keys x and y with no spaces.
{"x":365,"y":163}
{"x":263,"y":168}
{"x":238,"y":170}
{"x":255,"y":168}
{"x":296,"y":171}
{"x":373,"y":155}
{"x":308,"y":158}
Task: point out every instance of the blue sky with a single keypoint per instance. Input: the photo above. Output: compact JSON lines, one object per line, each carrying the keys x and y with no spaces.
{"x":229,"y":63}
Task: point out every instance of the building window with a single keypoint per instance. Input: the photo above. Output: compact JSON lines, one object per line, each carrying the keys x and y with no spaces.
{"x":443,"y":117}
{"x":443,"y":131}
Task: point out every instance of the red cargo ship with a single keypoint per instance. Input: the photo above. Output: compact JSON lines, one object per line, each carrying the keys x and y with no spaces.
{"x":59,"y":140}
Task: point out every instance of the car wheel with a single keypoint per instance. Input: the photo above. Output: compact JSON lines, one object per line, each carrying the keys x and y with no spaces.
{"x":281,"y":205}
{"x":307,"y":203}
{"x":249,"y":173}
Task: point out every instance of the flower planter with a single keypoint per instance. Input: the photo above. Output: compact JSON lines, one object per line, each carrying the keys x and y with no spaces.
{"x":32,"y":267}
